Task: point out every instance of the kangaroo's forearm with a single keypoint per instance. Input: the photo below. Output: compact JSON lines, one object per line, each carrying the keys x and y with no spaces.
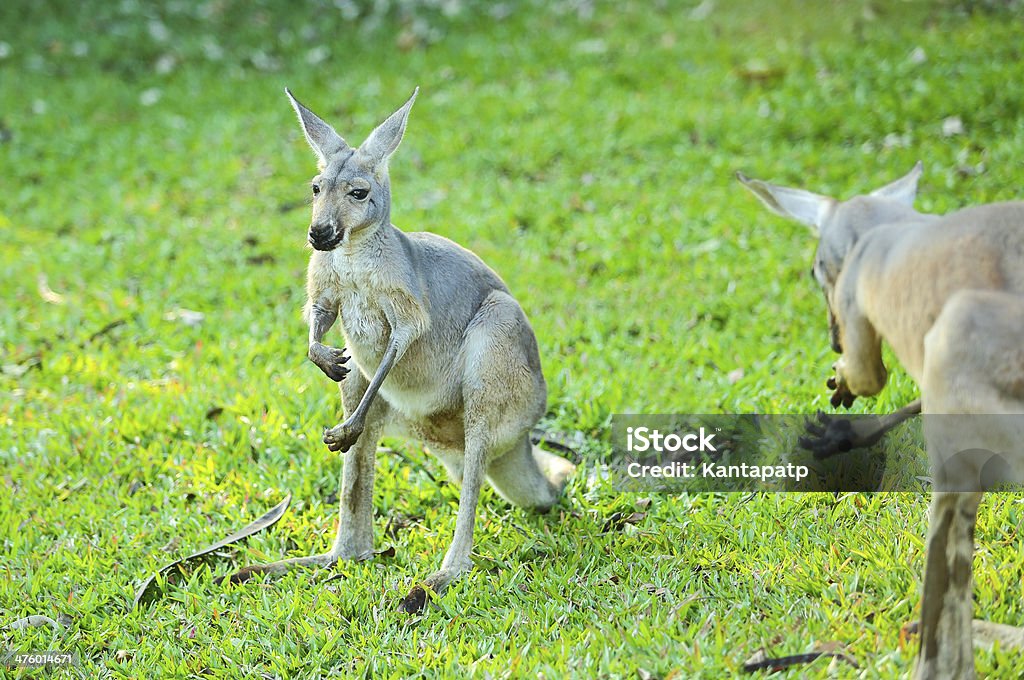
{"x":387,"y":362}
{"x":860,"y":365}
{"x":330,"y":359}
{"x":891,"y":420}
{"x":321,"y":319}
{"x":859,"y":371}
{"x":342,"y":437}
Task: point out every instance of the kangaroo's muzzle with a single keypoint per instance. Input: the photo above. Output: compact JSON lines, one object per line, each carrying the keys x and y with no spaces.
{"x":324,"y":237}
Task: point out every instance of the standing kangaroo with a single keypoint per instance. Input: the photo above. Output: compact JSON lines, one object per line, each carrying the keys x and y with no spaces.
{"x":947,"y":294}
{"x":443,"y":353}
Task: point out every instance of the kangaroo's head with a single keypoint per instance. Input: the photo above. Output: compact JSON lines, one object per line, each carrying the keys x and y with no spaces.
{"x":838,"y":224}
{"x":352,"y":191}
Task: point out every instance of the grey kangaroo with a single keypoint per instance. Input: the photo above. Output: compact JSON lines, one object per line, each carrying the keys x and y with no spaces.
{"x":947,"y":294}
{"x":442,"y":352}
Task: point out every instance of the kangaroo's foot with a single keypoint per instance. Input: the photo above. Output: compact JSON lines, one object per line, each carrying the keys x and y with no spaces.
{"x":416,"y":600}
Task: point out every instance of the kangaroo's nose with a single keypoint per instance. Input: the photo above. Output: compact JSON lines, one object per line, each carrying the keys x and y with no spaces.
{"x":320,"y":232}
{"x":323,"y":236}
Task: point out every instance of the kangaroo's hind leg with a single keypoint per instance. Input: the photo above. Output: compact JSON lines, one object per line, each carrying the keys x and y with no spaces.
{"x":973,"y":400}
{"x":503,"y":395}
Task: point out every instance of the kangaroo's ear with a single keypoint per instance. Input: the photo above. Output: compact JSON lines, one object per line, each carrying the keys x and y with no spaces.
{"x":904,"y":189}
{"x":321,"y":136}
{"x":383,"y":141}
{"x":802,"y":206}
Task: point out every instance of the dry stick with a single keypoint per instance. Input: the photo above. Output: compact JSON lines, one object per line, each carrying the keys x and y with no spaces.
{"x":555,"y":441}
{"x":783,"y":662}
{"x":103,"y":331}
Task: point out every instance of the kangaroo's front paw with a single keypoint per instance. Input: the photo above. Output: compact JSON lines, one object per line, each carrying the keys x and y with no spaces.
{"x":331,"y":360}
{"x":841,"y":393}
{"x":832,"y":435}
{"x":826,"y":437}
{"x":342,"y":437}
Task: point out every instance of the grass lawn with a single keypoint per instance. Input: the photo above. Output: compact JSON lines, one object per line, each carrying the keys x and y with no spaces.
{"x":155,"y":395}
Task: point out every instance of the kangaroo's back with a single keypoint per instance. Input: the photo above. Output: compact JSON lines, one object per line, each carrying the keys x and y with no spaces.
{"x":456,"y":280}
{"x":989,"y":238}
{"x":906,"y":274}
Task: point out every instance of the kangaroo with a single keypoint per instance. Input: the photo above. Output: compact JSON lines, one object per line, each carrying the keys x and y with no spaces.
{"x":947,"y":294}
{"x":442,"y":352}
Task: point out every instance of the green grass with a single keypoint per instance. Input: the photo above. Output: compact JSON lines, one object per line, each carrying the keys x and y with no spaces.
{"x":150,"y":163}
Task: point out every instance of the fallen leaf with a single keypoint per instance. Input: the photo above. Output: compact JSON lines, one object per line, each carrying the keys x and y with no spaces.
{"x":952,"y":126}
{"x":703,"y":10}
{"x":407,"y":40}
{"x":595,"y":46}
{"x":756,"y":70}
{"x":188,"y":317}
{"x":33,"y":621}
{"x":147,"y":591}
{"x":317,"y":55}
{"x":150,"y":97}
{"x":262,"y":258}
{"x":47,"y":293}
{"x":18,"y":370}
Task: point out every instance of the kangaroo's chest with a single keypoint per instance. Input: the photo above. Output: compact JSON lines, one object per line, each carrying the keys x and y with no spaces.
{"x":364,"y":323}
{"x":410,"y":387}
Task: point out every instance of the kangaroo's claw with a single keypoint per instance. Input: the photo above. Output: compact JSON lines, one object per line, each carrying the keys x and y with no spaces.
{"x":841,"y":394}
{"x":815,"y":428}
{"x":842,"y":397}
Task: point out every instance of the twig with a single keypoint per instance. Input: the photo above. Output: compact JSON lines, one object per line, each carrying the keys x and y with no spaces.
{"x":103,"y":331}
{"x":783,"y":662}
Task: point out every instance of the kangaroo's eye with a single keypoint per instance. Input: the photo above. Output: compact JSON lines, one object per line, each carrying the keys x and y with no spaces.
{"x":316,"y":188}
{"x":359,"y":194}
